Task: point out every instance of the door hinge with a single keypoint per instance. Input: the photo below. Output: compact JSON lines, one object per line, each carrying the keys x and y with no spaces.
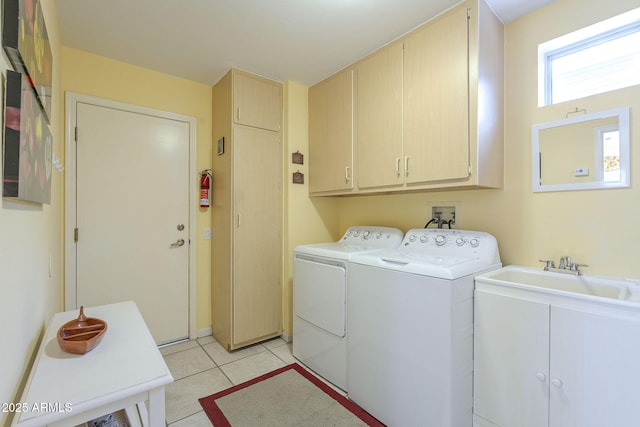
{"x":75,"y":134}
{"x":75,"y":235}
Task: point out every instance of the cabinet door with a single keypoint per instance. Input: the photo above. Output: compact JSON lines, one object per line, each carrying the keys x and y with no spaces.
{"x":436,"y":100}
{"x":378,"y":112}
{"x":257,"y":101}
{"x":331,"y":134}
{"x":511,"y":360}
{"x":257,"y":194}
{"x":594,"y":370}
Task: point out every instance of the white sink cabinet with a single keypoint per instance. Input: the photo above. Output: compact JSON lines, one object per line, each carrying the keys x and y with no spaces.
{"x":546,"y":358}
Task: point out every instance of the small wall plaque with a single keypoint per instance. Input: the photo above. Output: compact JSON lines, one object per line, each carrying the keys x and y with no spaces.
{"x":221,"y":146}
{"x":298,"y":177}
{"x":297,"y":158}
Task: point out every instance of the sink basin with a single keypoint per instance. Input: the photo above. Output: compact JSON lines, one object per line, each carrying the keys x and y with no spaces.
{"x":597,"y":286}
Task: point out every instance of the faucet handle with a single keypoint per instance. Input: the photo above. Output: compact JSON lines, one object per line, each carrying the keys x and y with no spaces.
{"x":549,"y":263}
{"x":565,"y":262}
{"x":576,"y":267}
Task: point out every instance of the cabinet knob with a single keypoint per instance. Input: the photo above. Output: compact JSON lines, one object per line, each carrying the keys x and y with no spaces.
{"x":556,"y":383}
{"x":541,"y":376}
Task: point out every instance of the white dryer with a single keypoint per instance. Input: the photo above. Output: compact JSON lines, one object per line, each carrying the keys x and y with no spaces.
{"x":320,"y":298}
{"x":410,"y":327}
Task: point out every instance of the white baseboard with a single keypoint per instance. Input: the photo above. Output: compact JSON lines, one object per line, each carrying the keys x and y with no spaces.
{"x":287,"y":337}
{"x":204,"y":332}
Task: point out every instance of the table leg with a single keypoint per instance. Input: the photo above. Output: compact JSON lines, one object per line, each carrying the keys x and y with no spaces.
{"x":156,"y":407}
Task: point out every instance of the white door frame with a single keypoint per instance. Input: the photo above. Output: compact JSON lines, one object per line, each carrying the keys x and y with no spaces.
{"x":71,"y":98}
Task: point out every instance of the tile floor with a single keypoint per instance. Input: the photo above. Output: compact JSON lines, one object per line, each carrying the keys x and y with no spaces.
{"x":202,"y":367}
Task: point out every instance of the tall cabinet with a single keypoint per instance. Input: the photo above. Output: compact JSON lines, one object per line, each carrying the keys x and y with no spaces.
{"x":246,"y":287}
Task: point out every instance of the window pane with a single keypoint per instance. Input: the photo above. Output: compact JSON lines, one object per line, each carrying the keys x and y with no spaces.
{"x":599,"y":68}
{"x":611,"y":156}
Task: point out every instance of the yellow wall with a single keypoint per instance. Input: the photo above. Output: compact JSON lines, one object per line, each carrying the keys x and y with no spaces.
{"x":597,"y":227}
{"x":306,"y":220}
{"x":105,"y":78}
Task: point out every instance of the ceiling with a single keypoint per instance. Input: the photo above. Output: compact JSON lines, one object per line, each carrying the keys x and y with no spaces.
{"x":199,"y":40}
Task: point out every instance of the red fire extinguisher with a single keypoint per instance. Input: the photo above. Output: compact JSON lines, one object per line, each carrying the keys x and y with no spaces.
{"x":205,"y":183}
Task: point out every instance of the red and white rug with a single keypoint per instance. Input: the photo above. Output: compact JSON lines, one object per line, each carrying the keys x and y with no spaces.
{"x":289,"y":396}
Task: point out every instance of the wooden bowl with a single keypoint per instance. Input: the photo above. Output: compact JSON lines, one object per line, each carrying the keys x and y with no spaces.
{"x":82,"y":334}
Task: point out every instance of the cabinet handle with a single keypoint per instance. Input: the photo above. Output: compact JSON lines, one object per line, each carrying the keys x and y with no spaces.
{"x":398,"y":166}
{"x":238,"y":221}
{"x":557,"y":383}
{"x":541,"y":376}
{"x":238,"y":119}
{"x":346,"y":174}
{"x":406,"y":165}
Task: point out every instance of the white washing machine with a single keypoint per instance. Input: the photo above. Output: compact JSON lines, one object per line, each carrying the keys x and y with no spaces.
{"x":320,"y":298}
{"x":410,"y":327}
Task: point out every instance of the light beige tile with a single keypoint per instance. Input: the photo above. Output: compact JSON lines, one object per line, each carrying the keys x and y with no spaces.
{"x":251,"y":367}
{"x":174,"y":348}
{"x":222,"y":356}
{"x":182,"y":396}
{"x":199,"y":419}
{"x":274,"y":342}
{"x":284,"y":353}
{"x":206,"y":340}
{"x":188,"y":362}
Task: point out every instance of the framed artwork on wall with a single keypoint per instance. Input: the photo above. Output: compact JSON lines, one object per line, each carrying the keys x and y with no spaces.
{"x":27,"y":151}
{"x":26,"y":44}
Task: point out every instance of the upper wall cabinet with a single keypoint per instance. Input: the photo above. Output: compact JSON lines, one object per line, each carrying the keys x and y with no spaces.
{"x":254,"y":99}
{"x":378,"y":118}
{"x":436,"y":101}
{"x":331,"y":135}
{"x":429,"y":107}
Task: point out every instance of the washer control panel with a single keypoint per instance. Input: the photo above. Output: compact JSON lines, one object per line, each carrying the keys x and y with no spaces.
{"x":441,"y":241}
{"x":372,"y":237}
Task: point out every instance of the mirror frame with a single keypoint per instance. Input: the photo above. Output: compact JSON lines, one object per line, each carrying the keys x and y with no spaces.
{"x":625,"y":138}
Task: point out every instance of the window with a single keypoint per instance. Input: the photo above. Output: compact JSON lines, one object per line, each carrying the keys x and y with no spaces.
{"x":595,"y":59}
{"x":607,"y":146}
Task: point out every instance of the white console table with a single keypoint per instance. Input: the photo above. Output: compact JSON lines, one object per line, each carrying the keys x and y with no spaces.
{"x":123,"y":371}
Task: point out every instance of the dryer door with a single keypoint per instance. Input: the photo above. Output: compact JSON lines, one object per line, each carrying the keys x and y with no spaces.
{"x":319,"y":293}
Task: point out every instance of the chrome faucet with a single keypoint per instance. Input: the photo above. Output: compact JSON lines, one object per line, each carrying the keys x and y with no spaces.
{"x":565,"y":266}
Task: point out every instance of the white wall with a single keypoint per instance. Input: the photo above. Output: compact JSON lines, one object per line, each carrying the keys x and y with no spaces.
{"x":30,"y":259}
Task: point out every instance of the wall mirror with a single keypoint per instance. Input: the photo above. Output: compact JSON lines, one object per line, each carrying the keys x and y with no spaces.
{"x":589,"y":151}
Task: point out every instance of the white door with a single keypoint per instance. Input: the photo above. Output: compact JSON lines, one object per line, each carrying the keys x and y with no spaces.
{"x":511,"y":360}
{"x":132,"y":214}
{"x":593,"y":370}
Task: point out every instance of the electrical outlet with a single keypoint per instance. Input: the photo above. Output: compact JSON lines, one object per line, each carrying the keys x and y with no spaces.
{"x":581,"y":172}
{"x":206,"y":234}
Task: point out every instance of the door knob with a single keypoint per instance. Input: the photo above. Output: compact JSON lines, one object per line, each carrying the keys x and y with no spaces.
{"x":177,"y":244}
